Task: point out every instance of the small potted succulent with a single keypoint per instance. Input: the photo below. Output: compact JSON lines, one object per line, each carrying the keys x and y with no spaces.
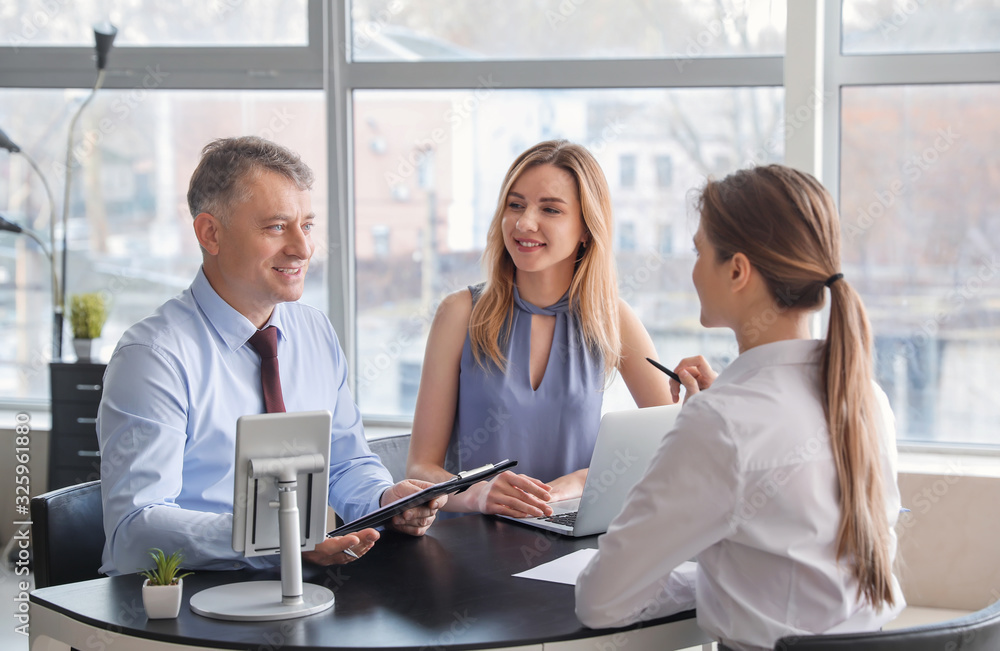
{"x":87,"y":314}
{"x":161,"y":591}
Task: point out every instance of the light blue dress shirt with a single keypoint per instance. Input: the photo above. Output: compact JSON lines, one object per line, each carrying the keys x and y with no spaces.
{"x":174,"y":388}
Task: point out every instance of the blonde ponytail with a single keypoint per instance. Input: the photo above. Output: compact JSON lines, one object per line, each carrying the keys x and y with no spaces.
{"x":852,"y":414}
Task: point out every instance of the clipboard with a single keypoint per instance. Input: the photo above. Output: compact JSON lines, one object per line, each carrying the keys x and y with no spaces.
{"x":456,"y":484}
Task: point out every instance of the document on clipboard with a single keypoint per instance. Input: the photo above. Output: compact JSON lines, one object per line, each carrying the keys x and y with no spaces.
{"x":456,"y":484}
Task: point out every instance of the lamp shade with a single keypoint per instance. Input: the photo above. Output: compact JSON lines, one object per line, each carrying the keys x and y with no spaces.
{"x":9,"y":225}
{"x":7,"y":143}
{"x":104,"y":35}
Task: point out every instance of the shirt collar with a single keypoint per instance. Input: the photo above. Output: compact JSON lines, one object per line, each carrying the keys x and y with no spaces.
{"x":234,"y":328}
{"x":777,"y":353}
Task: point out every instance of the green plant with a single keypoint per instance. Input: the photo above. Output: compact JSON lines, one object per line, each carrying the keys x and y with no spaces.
{"x":87,"y":314}
{"x":165,"y":570}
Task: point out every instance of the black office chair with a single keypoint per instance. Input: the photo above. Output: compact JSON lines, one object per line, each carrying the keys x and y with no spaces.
{"x":978,"y":631}
{"x":67,"y":534}
{"x":393,"y":450}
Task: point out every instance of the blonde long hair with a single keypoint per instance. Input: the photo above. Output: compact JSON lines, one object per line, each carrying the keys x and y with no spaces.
{"x":593,"y":292}
{"x":786,"y":223}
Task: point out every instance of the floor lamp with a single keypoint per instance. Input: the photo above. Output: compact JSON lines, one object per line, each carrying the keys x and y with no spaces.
{"x":57,"y":306}
{"x":6,"y":225}
{"x":104,"y":37}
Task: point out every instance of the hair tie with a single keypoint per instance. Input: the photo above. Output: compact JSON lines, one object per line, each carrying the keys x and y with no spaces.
{"x":832,"y":279}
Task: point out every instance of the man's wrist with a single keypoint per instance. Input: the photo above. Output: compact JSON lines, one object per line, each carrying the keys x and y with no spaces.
{"x":385,"y":497}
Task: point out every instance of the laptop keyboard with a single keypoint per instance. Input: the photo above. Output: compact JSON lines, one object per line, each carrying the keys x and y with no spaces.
{"x":568,"y":519}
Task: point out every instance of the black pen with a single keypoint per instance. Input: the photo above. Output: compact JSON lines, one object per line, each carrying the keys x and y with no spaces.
{"x":673,"y":376}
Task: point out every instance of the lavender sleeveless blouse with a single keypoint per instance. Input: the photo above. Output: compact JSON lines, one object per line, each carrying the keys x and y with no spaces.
{"x":549,"y":431}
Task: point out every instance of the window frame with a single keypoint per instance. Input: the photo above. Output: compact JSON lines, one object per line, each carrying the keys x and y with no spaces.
{"x":175,"y":68}
{"x":187,"y":68}
{"x":920,"y":68}
{"x":345,"y":76}
{"x":885,"y":70}
{"x":812,"y":60}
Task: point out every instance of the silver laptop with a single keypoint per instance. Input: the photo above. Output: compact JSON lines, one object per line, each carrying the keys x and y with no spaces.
{"x":625,"y":445}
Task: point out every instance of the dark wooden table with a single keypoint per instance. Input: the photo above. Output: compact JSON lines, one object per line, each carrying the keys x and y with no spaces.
{"x":449,"y":590}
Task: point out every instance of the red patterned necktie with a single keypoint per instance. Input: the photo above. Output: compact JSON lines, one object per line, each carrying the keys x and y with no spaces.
{"x":265,"y":342}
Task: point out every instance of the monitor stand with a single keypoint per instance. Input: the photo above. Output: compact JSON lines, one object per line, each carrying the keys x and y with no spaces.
{"x":258,"y":601}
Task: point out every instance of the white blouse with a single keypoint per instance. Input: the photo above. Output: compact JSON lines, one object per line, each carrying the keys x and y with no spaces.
{"x":746,"y":483}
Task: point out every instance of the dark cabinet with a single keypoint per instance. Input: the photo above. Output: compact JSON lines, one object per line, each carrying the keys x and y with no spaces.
{"x":74,"y":455}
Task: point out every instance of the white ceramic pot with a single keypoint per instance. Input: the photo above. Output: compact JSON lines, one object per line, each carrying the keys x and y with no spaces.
{"x":162,"y":601}
{"x":86,"y":349}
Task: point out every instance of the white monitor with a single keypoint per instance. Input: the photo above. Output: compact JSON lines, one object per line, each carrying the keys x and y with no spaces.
{"x":279,"y":436}
{"x":280,"y":489}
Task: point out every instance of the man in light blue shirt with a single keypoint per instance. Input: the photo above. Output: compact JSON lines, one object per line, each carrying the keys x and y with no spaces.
{"x":179,"y":379}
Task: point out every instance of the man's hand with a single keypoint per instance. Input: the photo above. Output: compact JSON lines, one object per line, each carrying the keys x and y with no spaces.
{"x":416,"y":520}
{"x":342,"y":549}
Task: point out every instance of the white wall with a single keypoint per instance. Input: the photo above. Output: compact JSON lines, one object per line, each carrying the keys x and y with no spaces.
{"x":948,"y":543}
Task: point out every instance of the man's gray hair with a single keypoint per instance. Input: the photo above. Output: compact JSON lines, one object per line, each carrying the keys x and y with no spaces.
{"x":229,"y":166}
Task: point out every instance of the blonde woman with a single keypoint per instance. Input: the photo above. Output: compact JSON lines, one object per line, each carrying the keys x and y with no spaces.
{"x":516,"y":367}
{"x":780,"y":478}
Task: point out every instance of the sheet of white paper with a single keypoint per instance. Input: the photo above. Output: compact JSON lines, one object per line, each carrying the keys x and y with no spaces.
{"x":565,"y":569}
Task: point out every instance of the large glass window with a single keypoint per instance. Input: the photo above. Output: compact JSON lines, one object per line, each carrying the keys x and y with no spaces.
{"x":909,"y":26}
{"x":920,"y":198}
{"x":917,"y":172}
{"x":429,"y":164}
{"x":128,"y":229}
{"x":438,"y":30}
{"x":212,"y":23}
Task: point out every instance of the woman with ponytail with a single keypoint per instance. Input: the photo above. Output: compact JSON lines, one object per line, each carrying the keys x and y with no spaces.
{"x":779,"y":476}
{"x":516,"y":367}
